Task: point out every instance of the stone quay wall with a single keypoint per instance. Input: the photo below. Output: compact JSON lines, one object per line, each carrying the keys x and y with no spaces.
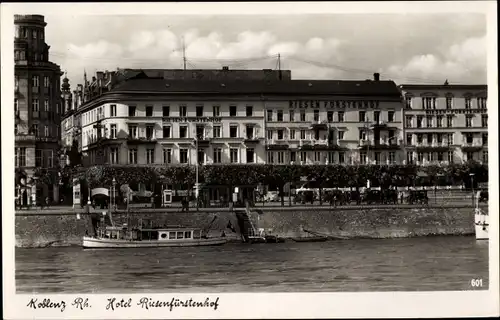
{"x":43,"y":229}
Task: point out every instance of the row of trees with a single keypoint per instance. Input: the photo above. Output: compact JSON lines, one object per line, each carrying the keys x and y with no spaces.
{"x":184,"y":177}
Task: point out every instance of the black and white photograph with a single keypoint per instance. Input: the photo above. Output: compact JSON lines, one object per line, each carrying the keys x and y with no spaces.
{"x":215,"y":160}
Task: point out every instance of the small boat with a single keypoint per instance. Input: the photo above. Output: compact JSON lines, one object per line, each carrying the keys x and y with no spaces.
{"x":260,"y":236}
{"x":310,"y":239}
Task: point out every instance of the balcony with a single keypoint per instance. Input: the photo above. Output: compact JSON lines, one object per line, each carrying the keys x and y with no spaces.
{"x":433,"y":146}
{"x":277,"y":144}
{"x":378,"y":124}
{"x":472,"y":146}
{"x":47,"y":139}
{"x":27,"y":138}
{"x":133,"y":139}
{"x":202,"y":140}
{"x":319,"y":124}
{"x":390,"y":144}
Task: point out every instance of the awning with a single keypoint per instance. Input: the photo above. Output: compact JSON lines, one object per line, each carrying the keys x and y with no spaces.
{"x":97,"y":191}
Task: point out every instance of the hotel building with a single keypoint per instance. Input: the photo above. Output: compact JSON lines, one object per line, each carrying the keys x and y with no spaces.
{"x":240,"y":116}
{"x":37,"y":107}
{"x":445,"y":123}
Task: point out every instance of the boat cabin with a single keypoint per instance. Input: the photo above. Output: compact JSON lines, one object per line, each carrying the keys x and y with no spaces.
{"x":143,"y":234}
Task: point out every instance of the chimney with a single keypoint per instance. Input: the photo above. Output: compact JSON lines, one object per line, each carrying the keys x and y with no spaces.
{"x":376,"y":76}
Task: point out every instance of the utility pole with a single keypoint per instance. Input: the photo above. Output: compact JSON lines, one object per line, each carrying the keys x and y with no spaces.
{"x":184,"y":53}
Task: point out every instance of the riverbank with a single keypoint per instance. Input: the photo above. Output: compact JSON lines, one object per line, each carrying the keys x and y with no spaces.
{"x":53,"y":228}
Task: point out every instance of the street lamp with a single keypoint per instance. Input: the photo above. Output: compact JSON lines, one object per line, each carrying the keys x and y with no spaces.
{"x":472,"y":186}
{"x":113,"y":195}
{"x":162,"y":178}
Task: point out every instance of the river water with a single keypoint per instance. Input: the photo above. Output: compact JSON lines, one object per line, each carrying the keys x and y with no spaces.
{"x":417,"y":264}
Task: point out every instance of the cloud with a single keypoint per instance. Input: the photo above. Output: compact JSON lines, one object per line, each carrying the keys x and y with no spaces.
{"x":463,"y":62}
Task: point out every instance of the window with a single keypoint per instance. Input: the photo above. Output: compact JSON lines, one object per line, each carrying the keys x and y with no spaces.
{"x":35,"y":129}
{"x":36,"y":81}
{"x":392,"y":157}
{"x":420,"y":138}
{"x":481,"y":103}
{"x":362,"y":157}
{"x":183,"y":130}
{"x":183,"y":111}
{"x":150,"y":130}
{"x":149,"y":111}
{"x":292,"y":115}
{"x":409,"y":139}
{"x":429,"y":138}
{"x":131,"y":111}
{"x":470,"y":156}
{"x":200,"y":157}
{"x":409,"y":157}
{"x":233,"y":131}
{"x":469,"y":138}
{"x":249,"y":111}
{"x":317,"y":156}
{"x":49,"y":155}
{"x":449,"y":103}
{"x":341,"y":116}
{"x":440,"y":156}
{"x":281,"y":157}
{"x":269,"y":115}
{"x":468,"y":120}
{"x":217,"y":131}
{"x":408,"y":101}
{"x":316,"y":115}
{"x":113,"y":110}
{"x":38,"y":158}
{"x":20,"y":157}
{"x":439,"y":121}
{"x":46,"y":82}
{"x":362,"y":116}
{"x":485,"y":156}
{"x":390,"y":116}
{"x":420,"y":156}
{"x":216,"y":111}
{"x":408,"y":121}
{"x":232,"y":111}
{"x":113,"y":131}
{"x":35,"y":105}
{"x":270,"y":157}
{"x":376,"y":116}
{"x":420,"y":119}
{"x":166,"y":111}
{"x":269,"y":134}
{"x":233,"y":154}
{"x":484,"y":120}
{"x":449,"y":138}
{"x":113,"y":156}
{"x":468,"y":103}
{"x":341,"y":157}
{"x":166,"y":132}
{"x":450,"y":156}
{"x":341,"y":135}
{"x":302,"y":115}
{"x":46,"y":106}
{"x":429,"y":103}
{"x":329,"y":116}
{"x":362,"y":134}
{"x":303,"y":156}
{"x":200,"y":132}
{"x":132,"y":131}
{"x":250,"y":155}
{"x":439,"y":138}
{"x":430,"y":156}
{"x":199,"y":111}
{"x":302,"y":134}
{"x":485,"y":139}
{"x":217,"y":155}
{"x":280,"y":134}
{"x":279,"y":115}
{"x":293,"y":156}
{"x":250,"y":133}
{"x":132,"y":156}
{"x":167,"y":156}
{"x":16,"y":129}
{"x":183,"y":156}
{"x":292,"y":134}
{"x":449,"y":121}
{"x":429,"y":121}
{"x":47,"y":131}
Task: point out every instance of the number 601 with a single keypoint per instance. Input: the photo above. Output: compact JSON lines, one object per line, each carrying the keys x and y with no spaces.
{"x":476,"y":282}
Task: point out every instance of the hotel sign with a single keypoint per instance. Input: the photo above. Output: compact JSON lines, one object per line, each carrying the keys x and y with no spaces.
{"x":305,"y":104}
{"x":455,"y":111}
{"x":192,"y":119}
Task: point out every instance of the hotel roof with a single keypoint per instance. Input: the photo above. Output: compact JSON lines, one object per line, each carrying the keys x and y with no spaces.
{"x":291,"y":87}
{"x":443,"y":87}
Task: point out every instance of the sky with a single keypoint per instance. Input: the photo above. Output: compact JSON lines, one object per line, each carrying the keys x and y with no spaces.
{"x":406,"y":48}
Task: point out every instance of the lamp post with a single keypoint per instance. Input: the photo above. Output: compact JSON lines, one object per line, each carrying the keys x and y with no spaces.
{"x":162,"y":177}
{"x":472,"y":186}
{"x":113,"y":195}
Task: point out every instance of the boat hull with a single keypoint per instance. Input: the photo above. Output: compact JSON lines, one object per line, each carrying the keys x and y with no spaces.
{"x":482,"y":226}
{"x":95,"y":243}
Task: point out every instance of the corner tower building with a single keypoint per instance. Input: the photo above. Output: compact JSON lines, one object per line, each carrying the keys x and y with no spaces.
{"x":38,"y":108}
